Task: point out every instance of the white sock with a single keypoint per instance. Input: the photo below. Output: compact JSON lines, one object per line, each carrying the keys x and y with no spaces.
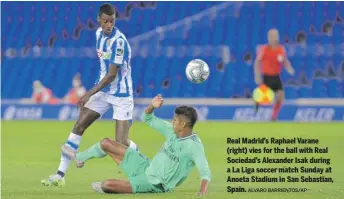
{"x":133,"y":145}
{"x":73,"y":141}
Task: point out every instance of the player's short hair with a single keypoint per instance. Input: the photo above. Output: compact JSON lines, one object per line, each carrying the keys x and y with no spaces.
{"x":189,"y":113}
{"x":107,"y":9}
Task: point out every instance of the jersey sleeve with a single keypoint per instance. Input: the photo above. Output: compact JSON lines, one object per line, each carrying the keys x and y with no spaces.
{"x":162,"y":126}
{"x":260,"y":52}
{"x":284,"y":52}
{"x":119,"y":51}
{"x":199,"y":158}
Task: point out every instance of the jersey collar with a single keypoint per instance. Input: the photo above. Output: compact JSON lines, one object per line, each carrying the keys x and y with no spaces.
{"x":187,"y":136}
{"x":114,"y":30}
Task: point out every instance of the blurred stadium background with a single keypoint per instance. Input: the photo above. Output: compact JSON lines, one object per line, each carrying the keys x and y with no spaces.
{"x":54,"y":42}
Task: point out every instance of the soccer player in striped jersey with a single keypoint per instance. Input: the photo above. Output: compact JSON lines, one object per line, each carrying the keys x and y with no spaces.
{"x":271,"y":58}
{"x":112,"y":89}
{"x":181,"y":151}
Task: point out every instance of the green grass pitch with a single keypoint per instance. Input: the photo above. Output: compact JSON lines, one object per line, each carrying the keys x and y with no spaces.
{"x":31,"y":152}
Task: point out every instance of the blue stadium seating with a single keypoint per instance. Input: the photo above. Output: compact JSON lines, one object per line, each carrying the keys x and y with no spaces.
{"x":41,"y":27}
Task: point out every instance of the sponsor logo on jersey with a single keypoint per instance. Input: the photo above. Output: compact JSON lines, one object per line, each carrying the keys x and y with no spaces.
{"x":104,"y":55}
{"x":119,"y":52}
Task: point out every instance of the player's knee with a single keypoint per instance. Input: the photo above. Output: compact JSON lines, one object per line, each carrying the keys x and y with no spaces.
{"x":280,"y":96}
{"x":106,"y":144}
{"x":122,"y":141}
{"x":106,"y":186}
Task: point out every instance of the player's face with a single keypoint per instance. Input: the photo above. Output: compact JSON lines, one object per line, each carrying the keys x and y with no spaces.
{"x":37,"y":87}
{"x":273,"y":37}
{"x":107,"y":23}
{"x":76,"y":83}
{"x":178,"y":123}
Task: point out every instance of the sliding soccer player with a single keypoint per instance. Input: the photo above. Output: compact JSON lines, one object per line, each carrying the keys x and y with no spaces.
{"x":181,"y":151}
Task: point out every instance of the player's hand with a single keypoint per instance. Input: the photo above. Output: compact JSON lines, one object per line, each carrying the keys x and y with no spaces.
{"x":83,"y":100}
{"x":258,"y":80}
{"x":204,"y":188}
{"x":157,"y":101}
{"x":291,"y":71}
{"x":201,"y":194}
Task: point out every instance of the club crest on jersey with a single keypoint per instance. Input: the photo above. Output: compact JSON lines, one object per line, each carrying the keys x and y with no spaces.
{"x":280,"y":58}
{"x":108,"y":42}
{"x":120,"y":43}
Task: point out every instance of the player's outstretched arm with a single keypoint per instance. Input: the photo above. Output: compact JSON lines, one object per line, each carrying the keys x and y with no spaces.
{"x":288,"y":67}
{"x":157,"y":102}
{"x":201,"y":162}
{"x":109,"y":77}
{"x":286,"y":63}
{"x":120,"y":50}
{"x":204,"y":188}
{"x":257,"y":75}
{"x":160,"y":125}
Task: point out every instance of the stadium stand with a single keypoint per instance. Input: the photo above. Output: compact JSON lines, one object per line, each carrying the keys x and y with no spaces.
{"x":40,"y":42}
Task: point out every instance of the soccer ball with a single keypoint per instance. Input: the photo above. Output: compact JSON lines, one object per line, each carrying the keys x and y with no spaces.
{"x":197,"y":71}
{"x":263,"y":95}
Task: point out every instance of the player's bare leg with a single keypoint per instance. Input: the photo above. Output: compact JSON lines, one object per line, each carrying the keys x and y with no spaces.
{"x":112,"y":186}
{"x":122,"y":132}
{"x":278,"y":104}
{"x":86,"y":118}
{"x":116,"y":151}
{"x":99,"y":150}
{"x":106,"y":147}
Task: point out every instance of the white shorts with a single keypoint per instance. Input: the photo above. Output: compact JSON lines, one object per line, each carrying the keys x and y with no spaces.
{"x":122,"y":106}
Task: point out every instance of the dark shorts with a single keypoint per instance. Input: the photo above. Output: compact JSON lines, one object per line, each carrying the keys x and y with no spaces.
{"x":274,"y":82}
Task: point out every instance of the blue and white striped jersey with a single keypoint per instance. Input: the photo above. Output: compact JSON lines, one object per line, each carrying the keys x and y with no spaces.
{"x":115,"y":49}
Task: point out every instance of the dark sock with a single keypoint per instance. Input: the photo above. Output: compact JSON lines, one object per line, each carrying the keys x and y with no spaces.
{"x":256,"y":107}
{"x":60,"y":173}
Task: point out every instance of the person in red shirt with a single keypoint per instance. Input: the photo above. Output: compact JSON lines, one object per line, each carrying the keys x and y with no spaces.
{"x":75,"y":93}
{"x":41,"y":94}
{"x":269,"y":61}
